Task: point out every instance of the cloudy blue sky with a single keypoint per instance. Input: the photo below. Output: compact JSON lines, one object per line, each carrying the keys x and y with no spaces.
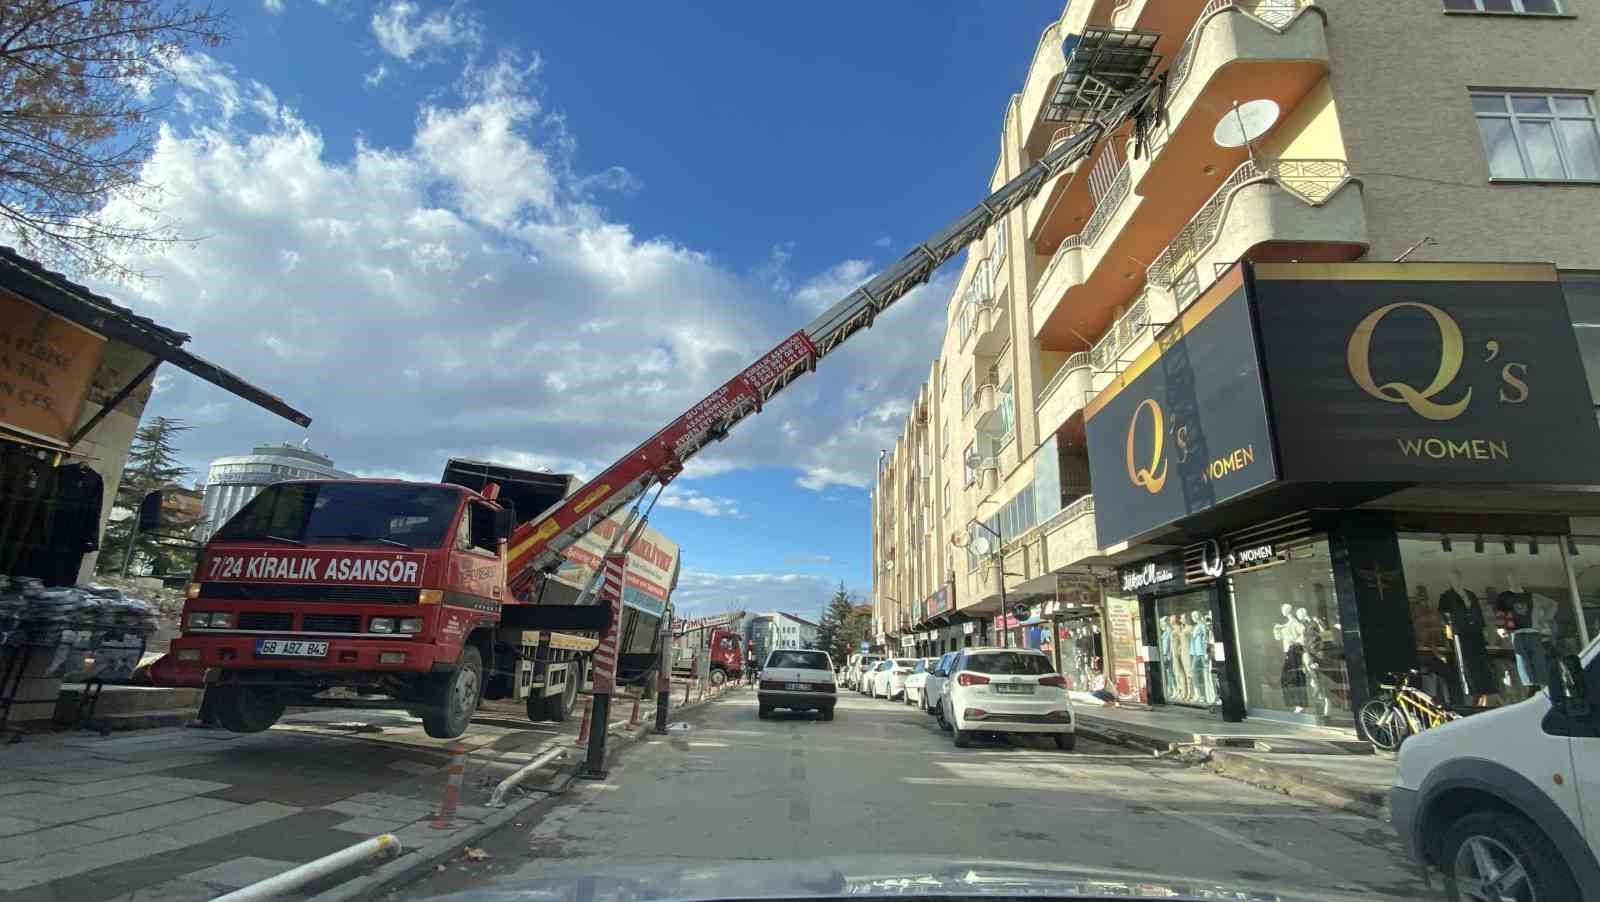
{"x":535,"y":232}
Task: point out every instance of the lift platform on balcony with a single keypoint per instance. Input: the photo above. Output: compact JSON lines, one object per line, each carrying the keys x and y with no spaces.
{"x":1103,"y":65}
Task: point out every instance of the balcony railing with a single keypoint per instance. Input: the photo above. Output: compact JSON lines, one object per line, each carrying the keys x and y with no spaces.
{"x":1073,"y":511}
{"x":1276,"y":13}
{"x":1075,"y":361}
{"x":1122,"y":333}
{"x":1313,"y":181}
{"x":1103,"y":212}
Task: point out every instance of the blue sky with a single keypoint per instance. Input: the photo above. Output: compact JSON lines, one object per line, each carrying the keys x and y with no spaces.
{"x":534,"y":232}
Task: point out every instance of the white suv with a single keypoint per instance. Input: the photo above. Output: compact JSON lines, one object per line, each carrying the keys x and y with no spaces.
{"x":1507,"y":803}
{"x":1006,"y":690}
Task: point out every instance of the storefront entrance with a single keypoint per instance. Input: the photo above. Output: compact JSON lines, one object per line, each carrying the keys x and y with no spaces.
{"x":1183,"y":648}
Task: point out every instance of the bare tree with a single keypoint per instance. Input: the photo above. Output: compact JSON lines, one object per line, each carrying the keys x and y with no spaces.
{"x":77,"y":81}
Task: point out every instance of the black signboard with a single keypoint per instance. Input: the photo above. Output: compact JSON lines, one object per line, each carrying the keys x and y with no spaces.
{"x":1424,"y":372}
{"x":1158,"y":574}
{"x":1186,"y":428}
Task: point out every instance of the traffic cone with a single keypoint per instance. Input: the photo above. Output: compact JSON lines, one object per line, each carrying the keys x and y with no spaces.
{"x":633,"y":719}
{"x":442,"y":820}
{"x":583,"y":731}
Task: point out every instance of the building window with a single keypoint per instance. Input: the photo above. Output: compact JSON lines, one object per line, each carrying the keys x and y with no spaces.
{"x":967,"y":464}
{"x":966,"y":392}
{"x":944,"y":439}
{"x":947,"y":497}
{"x":1539,"y":136}
{"x":1504,"y":6}
{"x":944,"y":380}
{"x":1008,"y":412}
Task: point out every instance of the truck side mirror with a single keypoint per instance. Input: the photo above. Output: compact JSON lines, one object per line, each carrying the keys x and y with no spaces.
{"x":1571,"y":690}
{"x":504,"y":524}
{"x":150,"y":512}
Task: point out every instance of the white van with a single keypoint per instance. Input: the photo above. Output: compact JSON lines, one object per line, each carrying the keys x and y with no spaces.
{"x":1507,"y":803}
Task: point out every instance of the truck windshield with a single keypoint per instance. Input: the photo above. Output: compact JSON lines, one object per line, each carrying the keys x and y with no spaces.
{"x":417,"y":516}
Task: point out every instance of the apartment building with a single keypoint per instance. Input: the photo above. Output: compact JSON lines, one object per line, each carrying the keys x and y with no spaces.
{"x":1213,"y":385}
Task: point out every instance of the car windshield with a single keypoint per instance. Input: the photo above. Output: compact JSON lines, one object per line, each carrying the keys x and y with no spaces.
{"x":312,"y":513}
{"x":921,"y":667}
{"x":1008,"y":663}
{"x":806,"y":660}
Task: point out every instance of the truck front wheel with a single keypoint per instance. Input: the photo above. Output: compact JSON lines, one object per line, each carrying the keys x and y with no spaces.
{"x":453,"y":698}
{"x":718,"y":676}
{"x":244,"y":709}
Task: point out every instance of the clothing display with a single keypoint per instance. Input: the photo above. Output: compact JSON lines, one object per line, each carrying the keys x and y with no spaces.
{"x":1463,"y":615}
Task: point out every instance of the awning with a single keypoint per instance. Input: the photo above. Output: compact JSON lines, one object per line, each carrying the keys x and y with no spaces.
{"x":74,"y":302}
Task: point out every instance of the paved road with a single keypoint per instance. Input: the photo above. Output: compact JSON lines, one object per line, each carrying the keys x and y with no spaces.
{"x":882,"y":781}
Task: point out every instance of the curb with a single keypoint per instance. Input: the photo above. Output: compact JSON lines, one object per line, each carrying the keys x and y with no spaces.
{"x":1122,"y":738}
{"x":1300,"y":784}
{"x":409,"y":865}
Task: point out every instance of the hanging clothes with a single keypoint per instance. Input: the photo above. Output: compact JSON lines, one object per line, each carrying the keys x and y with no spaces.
{"x":1465,"y":618}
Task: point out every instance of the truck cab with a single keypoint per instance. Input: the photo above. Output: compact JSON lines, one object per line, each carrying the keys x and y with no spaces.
{"x":385,"y":586}
{"x":1507,"y":803}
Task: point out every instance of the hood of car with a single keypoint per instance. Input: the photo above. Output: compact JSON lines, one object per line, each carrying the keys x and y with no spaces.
{"x":882,"y":876}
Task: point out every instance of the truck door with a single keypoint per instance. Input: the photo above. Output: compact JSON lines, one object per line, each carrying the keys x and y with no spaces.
{"x":476,"y":574}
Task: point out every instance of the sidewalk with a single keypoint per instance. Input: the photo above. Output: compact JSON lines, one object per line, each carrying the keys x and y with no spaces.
{"x":187,"y":814}
{"x":1320,"y":764}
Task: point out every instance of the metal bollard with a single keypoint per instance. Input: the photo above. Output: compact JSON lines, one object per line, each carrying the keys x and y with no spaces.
{"x":295,"y":878}
{"x":583,"y":729}
{"x":452,"y":789}
{"x":663,"y":699}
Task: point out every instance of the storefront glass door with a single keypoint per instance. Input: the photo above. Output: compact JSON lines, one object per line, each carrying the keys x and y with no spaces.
{"x":1184,"y":637}
{"x":1290,"y":641}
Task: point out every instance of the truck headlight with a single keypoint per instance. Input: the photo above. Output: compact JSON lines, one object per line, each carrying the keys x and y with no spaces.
{"x":221,"y":621}
{"x":410,"y":625}
{"x":380,"y":625}
{"x":200,"y":619}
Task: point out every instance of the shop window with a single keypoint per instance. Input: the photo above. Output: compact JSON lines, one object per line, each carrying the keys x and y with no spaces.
{"x":1489,"y":621}
{"x":1290,"y":640}
{"x":1184,"y":637}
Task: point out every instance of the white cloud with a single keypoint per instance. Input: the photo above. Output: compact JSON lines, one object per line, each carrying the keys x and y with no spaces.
{"x":376,"y":76}
{"x":882,"y":241}
{"x":461,"y":293}
{"x":702,"y":592}
{"x":688,"y":499}
{"x":273,"y":6}
{"x":403,"y":34}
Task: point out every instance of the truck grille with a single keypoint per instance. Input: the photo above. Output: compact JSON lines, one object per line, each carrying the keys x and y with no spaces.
{"x":330,"y":623}
{"x":292,"y":592}
{"x":264,"y":620}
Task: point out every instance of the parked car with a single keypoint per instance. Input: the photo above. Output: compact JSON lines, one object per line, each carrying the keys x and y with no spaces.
{"x":860,"y":665}
{"x":889,"y":679}
{"x":1506,"y":803}
{"x":1007,"y":690}
{"x":797,"y":679}
{"x":917,"y":679}
{"x":933,"y":687}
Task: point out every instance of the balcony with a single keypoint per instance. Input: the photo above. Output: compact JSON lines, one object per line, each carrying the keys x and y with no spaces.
{"x":1066,"y":394}
{"x":1069,"y":536}
{"x":1271,"y":210}
{"x":988,"y":476}
{"x":1078,"y":255}
{"x":1043,"y":73}
{"x":1237,"y":50}
{"x":1110,"y":352}
{"x":993,"y":328}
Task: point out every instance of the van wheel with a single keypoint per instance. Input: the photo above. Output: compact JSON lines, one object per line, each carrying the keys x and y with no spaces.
{"x":1502,"y":855}
{"x":453,"y":697}
{"x":763,"y":712}
{"x":245,"y":709}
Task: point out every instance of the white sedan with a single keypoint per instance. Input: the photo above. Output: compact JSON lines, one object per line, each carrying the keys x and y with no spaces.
{"x":1007,"y":690}
{"x":917,"y":679}
{"x":797,"y":679}
{"x":933,"y":687}
{"x":889,"y":678}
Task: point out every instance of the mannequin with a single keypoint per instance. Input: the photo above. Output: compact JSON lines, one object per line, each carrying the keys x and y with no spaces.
{"x":1315,"y":636}
{"x":1525,"y":617}
{"x":1180,"y":647}
{"x":1292,"y":679}
{"x":1169,"y":679}
{"x":1199,"y":654}
{"x":1463,"y":626}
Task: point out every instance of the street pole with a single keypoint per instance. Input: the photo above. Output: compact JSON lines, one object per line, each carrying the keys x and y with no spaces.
{"x":664,"y":674}
{"x":612,"y":569}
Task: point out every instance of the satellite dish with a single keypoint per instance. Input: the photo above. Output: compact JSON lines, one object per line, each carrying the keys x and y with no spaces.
{"x":981,"y":545}
{"x":1246,"y":122}
{"x":974,"y":460}
{"x":1021,"y":611}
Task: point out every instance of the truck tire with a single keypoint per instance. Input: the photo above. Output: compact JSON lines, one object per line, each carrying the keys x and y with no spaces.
{"x":453,"y":697}
{"x":718,"y":676}
{"x":245,"y":709}
{"x":1496,"y":845}
{"x":559,"y":707}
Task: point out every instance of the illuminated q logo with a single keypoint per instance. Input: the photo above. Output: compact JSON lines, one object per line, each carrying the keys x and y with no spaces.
{"x":1357,"y":356}
{"x":1149,"y":477}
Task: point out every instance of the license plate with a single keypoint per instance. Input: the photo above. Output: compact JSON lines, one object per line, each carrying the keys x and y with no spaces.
{"x":291,"y":648}
{"x":1014,"y":689}
{"x":803,"y":687}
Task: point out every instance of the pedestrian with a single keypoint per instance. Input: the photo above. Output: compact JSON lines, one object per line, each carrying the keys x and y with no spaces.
{"x":750,"y":665}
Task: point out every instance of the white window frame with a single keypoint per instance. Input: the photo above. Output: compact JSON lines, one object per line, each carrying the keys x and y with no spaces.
{"x":967,"y":469}
{"x":969,"y":395}
{"x":947,"y":496}
{"x":1516,"y":119}
{"x":1516,"y":9}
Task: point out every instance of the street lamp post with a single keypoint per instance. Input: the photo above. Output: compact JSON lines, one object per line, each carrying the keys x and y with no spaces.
{"x":1000,"y":564}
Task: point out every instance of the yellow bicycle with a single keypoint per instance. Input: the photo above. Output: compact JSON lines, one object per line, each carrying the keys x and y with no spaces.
{"x":1402,"y":709}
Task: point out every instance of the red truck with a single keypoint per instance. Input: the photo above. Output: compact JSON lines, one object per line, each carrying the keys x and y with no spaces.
{"x":710,"y":640}
{"x":400,"y":589}
{"x":439,"y":593}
